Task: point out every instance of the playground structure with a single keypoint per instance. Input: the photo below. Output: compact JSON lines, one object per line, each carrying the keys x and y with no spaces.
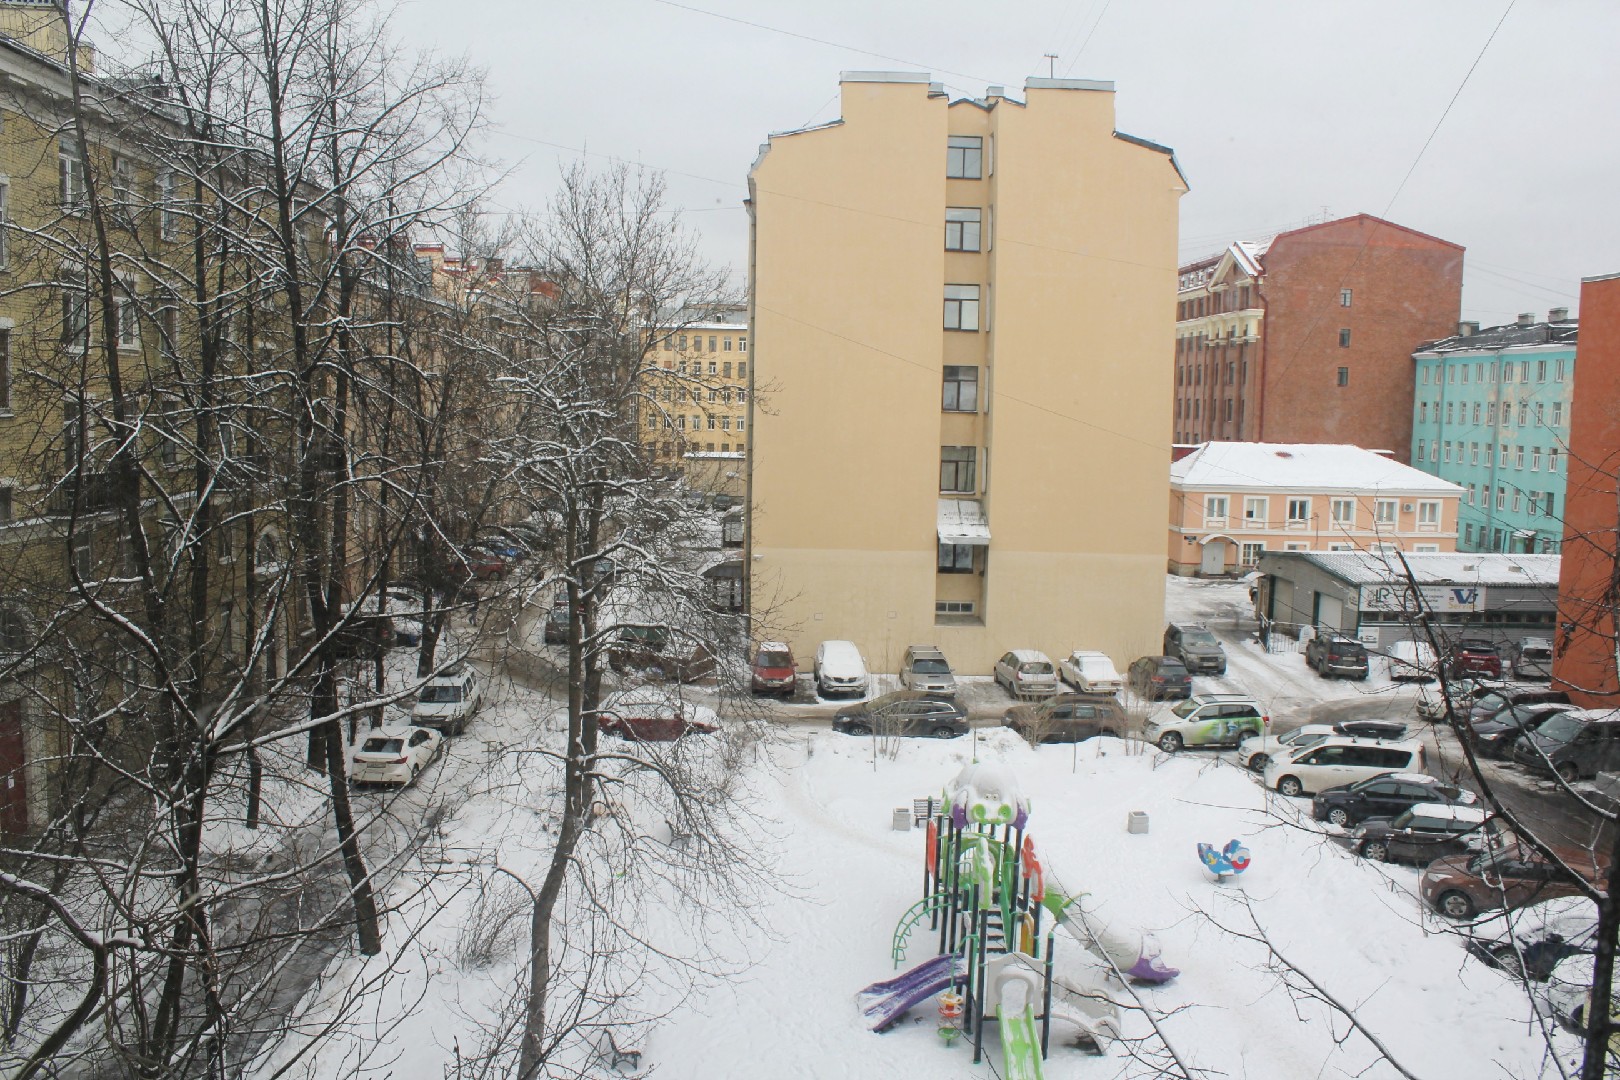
{"x":986,"y":895}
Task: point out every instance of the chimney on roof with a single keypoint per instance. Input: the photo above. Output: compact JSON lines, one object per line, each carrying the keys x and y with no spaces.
{"x":1558,"y":314}
{"x":1467,"y":329}
{"x":993,"y":92}
{"x":1527,"y":318}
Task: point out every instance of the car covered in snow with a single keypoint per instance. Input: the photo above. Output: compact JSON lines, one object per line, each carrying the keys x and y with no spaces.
{"x":393,"y":755}
{"x":840,"y":669}
{"x":1206,"y":720}
{"x":1090,"y":672}
{"x":652,"y":714}
{"x":1422,"y":833}
{"x":1412,"y":661}
{"x":1383,"y":796}
{"x":904,"y":712}
{"x":448,"y":701}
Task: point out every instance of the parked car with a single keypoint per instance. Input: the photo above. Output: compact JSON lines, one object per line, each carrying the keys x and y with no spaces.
{"x":904,"y":712}
{"x":648,"y":714}
{"x":1532,"y":658}
{"x":504,"y":544}
{"x":1412,"y":661}
{"x":925,"y":668}
{"x":1196,"y":647}
{"x":1475,"y":656}
{"x":556,"y":629}
{"x":405,"y":608}
{"x":1027,"y":673}
{"x":773,"y":670}
{"x":1431,"y":704}
{"x":1495,"y":735}
{"x":1090,"y":672}
{"x":1330,"y":653}
{"x":1577,"y":744}
{"x":447,"y":701}
{"x":1257,"y":751}
{"x":654,"y":651}
{"x":1067,"y":718}
{"x":1156,"y":678}
{"x":1531,"y":943}
{"x":393,"y":755}
{"x":1342,"y":760}
{"x":723,"y":502}
{"x":364,"y":635}
{"x":1206,"y":720}
{"x":485,"y":565}
{"x":840,"y":669}
{"x":1422,"y":833}
{"x":1383,"y":796}
{"x":1491,"y":702}
{"x":1462,"y":886}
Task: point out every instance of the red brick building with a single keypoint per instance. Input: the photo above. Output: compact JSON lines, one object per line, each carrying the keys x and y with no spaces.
{"x":1584,"y":650}
{"x":1309,"y":338}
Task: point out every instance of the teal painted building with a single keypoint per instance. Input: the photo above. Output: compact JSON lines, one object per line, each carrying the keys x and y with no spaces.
{"x":1490,"y":412}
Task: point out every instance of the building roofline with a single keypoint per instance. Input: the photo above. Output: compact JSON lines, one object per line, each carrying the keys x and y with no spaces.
{"x":1137,"y":140}
{"x":1103,"y":85}
{"x":1602,"y":277}
{"x":922,"y":77}
{"x":1367,"y":217}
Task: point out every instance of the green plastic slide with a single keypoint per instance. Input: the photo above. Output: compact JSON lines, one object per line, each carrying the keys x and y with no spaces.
{"x":1020,"y":1044}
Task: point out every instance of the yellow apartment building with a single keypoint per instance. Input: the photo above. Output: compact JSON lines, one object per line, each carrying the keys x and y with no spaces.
{"x":695,"y":408}
{"x":959,"y":420}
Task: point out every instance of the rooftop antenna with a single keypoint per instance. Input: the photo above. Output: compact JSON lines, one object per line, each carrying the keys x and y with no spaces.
{"x":1051,"y":64}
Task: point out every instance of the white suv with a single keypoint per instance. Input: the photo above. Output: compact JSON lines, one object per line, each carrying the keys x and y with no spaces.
{"x":1340,"y":760}
{"x":447,"y":701}
{"x":1257,"y":751}
{"x":1206,"y":720}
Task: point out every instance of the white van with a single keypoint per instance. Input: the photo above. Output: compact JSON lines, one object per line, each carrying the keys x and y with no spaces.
{"x":1334,"y":762}
{"x":839,"y":669}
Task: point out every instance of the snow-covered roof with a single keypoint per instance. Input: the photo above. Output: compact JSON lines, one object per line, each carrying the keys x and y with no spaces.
{"x":962,"y":521}
{"x":1471,"y":815}
{"x":1301,"y":467}
{"x":1429,"y":568}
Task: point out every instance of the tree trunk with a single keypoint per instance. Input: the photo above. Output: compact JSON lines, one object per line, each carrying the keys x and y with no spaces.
{"x":366,"y":922}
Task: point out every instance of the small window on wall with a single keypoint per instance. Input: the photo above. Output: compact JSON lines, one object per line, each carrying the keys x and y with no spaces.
{"x":1215,"y":508}
{"x":1344,"y":297}
{"x":964,"y":157}
{"x":1299,"y":511}
{"x":962,"y":307}
{"x":962,"y":224}
{"x":1344,"y":376}
{"x":961,"y":389}
{"x":1249,"y":554}
{"x":1344,"y":511}
{"x":956,"y":469}
{"x":1344,"y":338}
{"x":956,"y":558}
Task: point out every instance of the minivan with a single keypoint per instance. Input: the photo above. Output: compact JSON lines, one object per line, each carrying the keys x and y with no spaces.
{"x":839,"y":669}
{"x":1334,"y":762}
{"x":1577,"y":744}
{"x":925,"y":668}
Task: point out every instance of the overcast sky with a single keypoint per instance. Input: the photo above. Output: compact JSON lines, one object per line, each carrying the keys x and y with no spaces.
{"x":1279,"y":110}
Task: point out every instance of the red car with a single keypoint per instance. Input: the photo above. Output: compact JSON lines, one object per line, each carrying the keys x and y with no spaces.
{"x":1476,"y":657}
{"x":651,"y":715}
{"x":485,"y":565}
{"x":773,"y":669}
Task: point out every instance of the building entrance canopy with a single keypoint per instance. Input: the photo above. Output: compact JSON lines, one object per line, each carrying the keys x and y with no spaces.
{"x":962,"y":521}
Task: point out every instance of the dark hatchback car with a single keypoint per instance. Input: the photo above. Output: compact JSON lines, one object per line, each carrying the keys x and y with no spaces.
{"x":1431,"y":704}
{"x":1423,"y":833}
{"x":1331,"y":654}
{"x":1495,"y":735}
{"x":1383,"y":796}
{"x":1159,"y":677}
{"x":904,"y":712}
{"x":1476,"y":656}
{"x":1068,"y":718}
{"x":1488,"y":704}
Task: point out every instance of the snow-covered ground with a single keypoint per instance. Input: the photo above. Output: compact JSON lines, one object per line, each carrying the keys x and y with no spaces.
{"x":777,"y":994}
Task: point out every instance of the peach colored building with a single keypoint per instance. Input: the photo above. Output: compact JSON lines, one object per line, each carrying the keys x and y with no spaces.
{"x":1231,"y":501}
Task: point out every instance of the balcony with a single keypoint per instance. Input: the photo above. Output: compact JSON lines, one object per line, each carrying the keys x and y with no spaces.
{"x":98,"y":492}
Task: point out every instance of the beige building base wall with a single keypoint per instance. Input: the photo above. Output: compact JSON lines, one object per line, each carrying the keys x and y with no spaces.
{"x":1052,"y":601}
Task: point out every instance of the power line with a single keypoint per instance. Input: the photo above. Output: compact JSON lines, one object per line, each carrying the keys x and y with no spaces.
{"x":1087,"y":41}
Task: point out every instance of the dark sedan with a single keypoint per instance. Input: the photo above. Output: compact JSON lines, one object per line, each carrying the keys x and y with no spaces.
{"x":1421,"y":834}
{"x":904,"y":712}
{"x":1067,"y":718}
{"x":1383,"y":796}
{"x":1159,"y":677}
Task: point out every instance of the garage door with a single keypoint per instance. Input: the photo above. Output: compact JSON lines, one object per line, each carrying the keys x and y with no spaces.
{"x":1329,"y":611}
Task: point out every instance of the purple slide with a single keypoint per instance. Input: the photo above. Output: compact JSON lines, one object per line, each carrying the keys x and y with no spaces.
{"x":899,"y":994}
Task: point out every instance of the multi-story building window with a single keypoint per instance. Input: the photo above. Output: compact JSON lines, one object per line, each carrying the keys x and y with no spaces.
{"x":75,"y":317}
{"x":1535,"y":459}
{"x":168,"y":207}
{"x":1518,"y":457}
{"x":1343,"y":512}
{"x":1344,"y":338}
{"x":5,"y":371}
{"x":1473,"y":453}
{"x":1470,"y":494}
{"x":1418,"y":457}
{"x":5,"y":217}
{"x":1344,"y":376}
{"x":1541,"y":371}
{"x":1558,"y":371}
{"x":955,"y":559}
{"x":1344,"y":297}
{"x":70,"y":174}
{"x":1476,"y":414}
{"x":1450,"y":408}
{"x":1468,"y":535}
{"x":1490,"y":414}
{"x":1428,"y":513}
{"x":962,"y":225}
{"x":961,"y":307}
{"x":956,"y":469}
{"x":1249,"y":552}
{"x":1423,"y":412}
{"x":1533,"y":503}
{"x":1256,"y":511}
{"x":1547,"y":502}
{"x":1501,"y":497}
{"x":1516,"y":498}
{"x":1215,"y":509}
{"x":1501,"y":458}
{"x":1558,"y":413}
{"x":1299,"y":511}
{"x":1539,"y":413}
{"x":712,"y":343}
{"x":1434,"y":450}
{"x":964,"y":157}
{"x":1552,"y":459}
{"x":962,"y":389}
{"x":1385,"y":511}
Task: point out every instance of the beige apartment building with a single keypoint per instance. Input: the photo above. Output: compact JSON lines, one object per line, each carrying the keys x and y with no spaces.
{"x":695,"y":410}
{"x":958,"y":423}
